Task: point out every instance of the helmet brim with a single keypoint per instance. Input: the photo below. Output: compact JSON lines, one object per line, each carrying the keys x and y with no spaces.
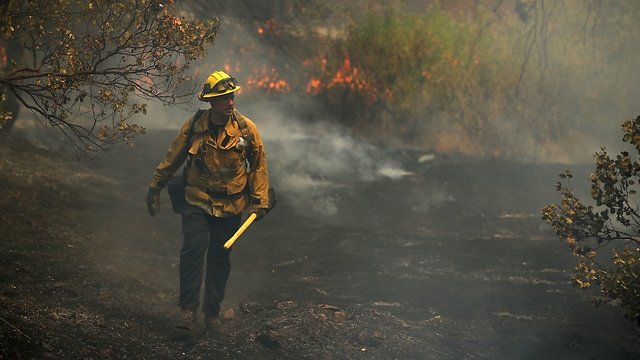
{"x":207,"y":97}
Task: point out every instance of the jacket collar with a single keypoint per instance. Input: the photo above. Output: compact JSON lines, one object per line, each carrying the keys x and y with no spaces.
{"x":202,"y":124}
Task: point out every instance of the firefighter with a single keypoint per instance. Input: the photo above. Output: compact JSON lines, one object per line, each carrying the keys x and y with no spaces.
{"x":225,"y":173}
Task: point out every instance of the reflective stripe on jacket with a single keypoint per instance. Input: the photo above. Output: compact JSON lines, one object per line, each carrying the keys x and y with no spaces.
{"x":218,"y":179}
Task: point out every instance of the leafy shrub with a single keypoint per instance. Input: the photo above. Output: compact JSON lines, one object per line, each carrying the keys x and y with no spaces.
{"x":511,"y":88}
{"x":432,"y":70}
{"x":613,"y":223}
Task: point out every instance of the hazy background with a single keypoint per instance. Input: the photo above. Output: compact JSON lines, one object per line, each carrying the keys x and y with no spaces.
{"x":407,"y":83}
{"x":550,"y":85}
{"x":571,"y":81}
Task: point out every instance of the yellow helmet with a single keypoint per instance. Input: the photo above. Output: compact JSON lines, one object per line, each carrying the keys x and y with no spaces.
{"x":218,"y":83}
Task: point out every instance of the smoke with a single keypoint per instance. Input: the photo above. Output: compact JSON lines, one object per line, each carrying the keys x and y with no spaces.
{"x":243,"y":52}
{"x":311,"y":160}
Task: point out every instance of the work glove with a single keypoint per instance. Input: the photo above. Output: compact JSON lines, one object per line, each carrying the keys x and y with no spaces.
{"x":153,"y":202}
{"x":259,"y":213}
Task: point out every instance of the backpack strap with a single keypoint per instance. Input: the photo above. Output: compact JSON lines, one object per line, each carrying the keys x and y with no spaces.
{"x":248,"y":137}
{"x":244,"y":129}
{"x":196,"y":116}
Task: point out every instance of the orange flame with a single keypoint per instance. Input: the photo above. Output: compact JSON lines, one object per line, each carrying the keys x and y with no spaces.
{"x":314,"y":86}
{"x":270,"y":26}
{"x":349,"y":77}
{"x":346,"y":76}
{"x":268,"y":80}
{"x":318,"y":78}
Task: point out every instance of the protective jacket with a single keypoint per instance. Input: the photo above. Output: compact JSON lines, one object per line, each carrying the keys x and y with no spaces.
{"x":226,"y":171}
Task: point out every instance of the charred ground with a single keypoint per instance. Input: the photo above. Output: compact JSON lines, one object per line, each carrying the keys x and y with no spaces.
{"x":451,"y":262}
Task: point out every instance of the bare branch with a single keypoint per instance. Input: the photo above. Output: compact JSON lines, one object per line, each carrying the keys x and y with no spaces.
{"x":82,"y":63}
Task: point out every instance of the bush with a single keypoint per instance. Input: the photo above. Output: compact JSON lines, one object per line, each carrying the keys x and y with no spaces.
{"x":509,"y":87}
{"x":434,"y":71}
{"x":612,"y":223}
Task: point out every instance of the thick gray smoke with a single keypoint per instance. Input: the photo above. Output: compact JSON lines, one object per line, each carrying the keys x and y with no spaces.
{"x":312,"y":160}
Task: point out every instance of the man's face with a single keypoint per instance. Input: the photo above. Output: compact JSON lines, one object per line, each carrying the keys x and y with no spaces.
{"x":223,"y":105}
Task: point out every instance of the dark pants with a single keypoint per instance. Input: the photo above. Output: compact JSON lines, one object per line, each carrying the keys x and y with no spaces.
{"x":202,"y":231}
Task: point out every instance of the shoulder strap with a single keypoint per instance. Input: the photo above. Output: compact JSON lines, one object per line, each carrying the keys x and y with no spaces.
{"x":248,"y":137}
{"x":196,"y":116}
{"x":244,"y":129}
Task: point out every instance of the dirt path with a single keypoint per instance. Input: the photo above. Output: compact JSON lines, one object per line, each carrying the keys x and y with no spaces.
{"x":452,"y":262}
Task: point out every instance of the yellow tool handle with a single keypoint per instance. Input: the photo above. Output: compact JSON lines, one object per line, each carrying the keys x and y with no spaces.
{"x":244,"y":227}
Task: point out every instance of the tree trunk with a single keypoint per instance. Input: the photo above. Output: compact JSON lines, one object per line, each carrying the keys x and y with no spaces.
{"x":11,"y":105}
{"x":12,"y":50}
